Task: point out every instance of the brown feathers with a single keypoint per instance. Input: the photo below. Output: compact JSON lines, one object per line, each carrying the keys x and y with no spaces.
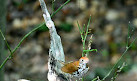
{"x":70,"y":67}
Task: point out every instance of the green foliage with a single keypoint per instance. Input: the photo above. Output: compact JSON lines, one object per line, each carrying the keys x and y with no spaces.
{"x":66,"y":27}
{"x":84,"y":34}
{"x":42,"y":28}
{"x":90,"y":50}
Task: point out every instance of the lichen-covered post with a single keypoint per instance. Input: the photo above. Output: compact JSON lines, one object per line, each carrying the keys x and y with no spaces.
{"x":56,"y":53}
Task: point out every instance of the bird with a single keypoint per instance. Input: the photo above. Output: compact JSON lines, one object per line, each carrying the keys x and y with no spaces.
{"x":77,"y":68}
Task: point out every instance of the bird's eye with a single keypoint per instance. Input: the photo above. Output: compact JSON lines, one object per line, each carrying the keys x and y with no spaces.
{"x":82,"y":60}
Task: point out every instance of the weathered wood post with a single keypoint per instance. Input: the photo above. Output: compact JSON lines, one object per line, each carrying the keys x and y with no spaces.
{"x":56,"y":53}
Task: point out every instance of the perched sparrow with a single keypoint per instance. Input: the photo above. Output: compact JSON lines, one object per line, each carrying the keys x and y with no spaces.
{"x":78,"y":68}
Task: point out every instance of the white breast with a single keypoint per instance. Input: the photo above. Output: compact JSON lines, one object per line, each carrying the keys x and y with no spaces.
{"x":83,"y":69}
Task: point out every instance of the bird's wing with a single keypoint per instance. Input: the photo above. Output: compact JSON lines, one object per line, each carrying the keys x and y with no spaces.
{"x":70,"y":67}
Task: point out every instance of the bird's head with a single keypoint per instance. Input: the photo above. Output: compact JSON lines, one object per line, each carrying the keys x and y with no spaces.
{"x":83,"y":60}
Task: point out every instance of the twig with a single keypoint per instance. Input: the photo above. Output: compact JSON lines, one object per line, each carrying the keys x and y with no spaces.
{"x":81,"y":32}
{"x":60,"y":7}
{"x":84,"y":35}
{"x":3,"y":63}
{"x":53,"y":6}
{"x":127,"y":48}
{"x":118,"y":71}
{"x":96,"y":79}
{"x":6,"y":41}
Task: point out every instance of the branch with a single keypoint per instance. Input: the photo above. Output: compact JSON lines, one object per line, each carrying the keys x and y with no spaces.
{"x":127,"y":48}
{"x":4,"y":62}
{"x":5,"y":41}
{"x":60,"y":7}
{"x":56,"y":53}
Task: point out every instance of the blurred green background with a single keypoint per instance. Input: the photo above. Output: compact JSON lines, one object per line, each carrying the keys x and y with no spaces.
{"x":109,"y":26}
